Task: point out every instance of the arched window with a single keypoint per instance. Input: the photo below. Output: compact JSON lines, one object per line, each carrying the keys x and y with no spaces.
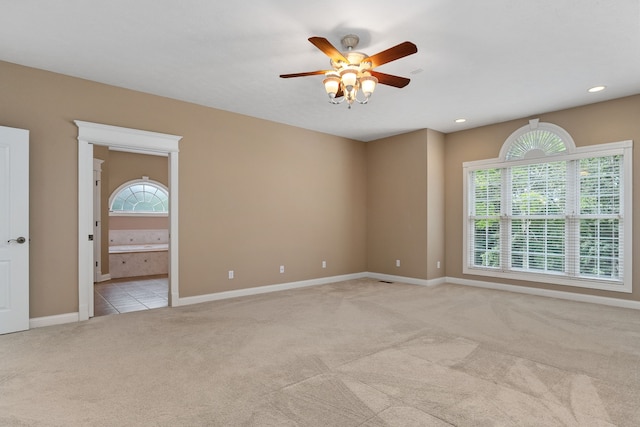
{"x":140,"y":197}
{"x":537,"y":140}
{"x":546,"y":211}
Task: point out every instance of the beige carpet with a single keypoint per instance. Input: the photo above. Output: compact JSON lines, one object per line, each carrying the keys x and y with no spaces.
{"x":357,"y":353}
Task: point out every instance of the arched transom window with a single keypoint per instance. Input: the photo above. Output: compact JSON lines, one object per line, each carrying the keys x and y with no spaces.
{"x":537,"y":140}
{"x":140,"y":197}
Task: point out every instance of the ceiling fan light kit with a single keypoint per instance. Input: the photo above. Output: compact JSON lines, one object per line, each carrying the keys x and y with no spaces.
{"x":353,"y":71}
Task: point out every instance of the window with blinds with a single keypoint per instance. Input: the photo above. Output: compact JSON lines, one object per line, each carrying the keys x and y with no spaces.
{"x":537,"y":216}
{"x":557,"y":218}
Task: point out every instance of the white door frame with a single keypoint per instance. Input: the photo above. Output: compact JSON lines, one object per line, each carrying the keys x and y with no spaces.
{"x":97,"y":225}
{"x":130,"y":140}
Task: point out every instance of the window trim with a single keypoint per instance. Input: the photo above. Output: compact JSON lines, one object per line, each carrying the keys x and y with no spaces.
{"x":143,"y":180}
{"x":624,"y":148}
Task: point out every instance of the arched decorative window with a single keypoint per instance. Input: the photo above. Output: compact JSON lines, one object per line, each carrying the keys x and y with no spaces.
{"x":140,"y":197}
{"x":537,"y":140}
{"x":546,"y":211}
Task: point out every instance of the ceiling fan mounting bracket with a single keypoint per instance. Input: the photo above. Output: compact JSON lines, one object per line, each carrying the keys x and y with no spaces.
{"x":350,"y":41}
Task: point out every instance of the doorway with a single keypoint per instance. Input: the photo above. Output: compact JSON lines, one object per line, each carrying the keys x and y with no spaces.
{"x":131,"y":211}
{"x":129,"y":140}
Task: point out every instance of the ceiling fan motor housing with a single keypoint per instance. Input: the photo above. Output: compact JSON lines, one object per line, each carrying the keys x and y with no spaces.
{"x":350,"y":41}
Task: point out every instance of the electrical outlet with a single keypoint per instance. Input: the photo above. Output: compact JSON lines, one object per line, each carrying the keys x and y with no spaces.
{"x":438,"y":264}
{"x":282,"y":269}
{"x":397,"y":263}
{"x":324,"y":264}
{"x":230,"y":274}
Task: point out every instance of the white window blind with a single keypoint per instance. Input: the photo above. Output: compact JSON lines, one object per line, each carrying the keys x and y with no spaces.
{"x":536,"y":209}
{"x":600,"y":214}
{"x":486,"y":217}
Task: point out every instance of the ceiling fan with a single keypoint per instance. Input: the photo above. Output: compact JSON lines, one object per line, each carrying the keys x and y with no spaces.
{"x":352,"y":71}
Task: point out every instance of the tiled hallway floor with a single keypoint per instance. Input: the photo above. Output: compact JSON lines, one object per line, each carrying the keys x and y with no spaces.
{"x":130,"y":294}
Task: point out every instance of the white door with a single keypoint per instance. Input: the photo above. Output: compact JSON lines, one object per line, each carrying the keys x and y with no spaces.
{"x":14,"y":230}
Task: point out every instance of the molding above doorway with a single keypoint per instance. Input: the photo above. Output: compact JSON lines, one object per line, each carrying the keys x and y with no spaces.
{"x":126,"y":139}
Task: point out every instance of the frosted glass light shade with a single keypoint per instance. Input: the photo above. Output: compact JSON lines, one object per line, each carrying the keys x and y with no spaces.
{"x":349,"y":78}
{"x":331,"y":85}
{"x":368,"y":85}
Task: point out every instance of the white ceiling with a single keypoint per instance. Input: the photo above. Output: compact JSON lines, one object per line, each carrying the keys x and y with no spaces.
{"x":487,"y":61}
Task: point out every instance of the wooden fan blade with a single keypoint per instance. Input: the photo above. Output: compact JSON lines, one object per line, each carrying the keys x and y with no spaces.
{"x":389,"y":79}
{"x":328,"y":49}
{"x":308,"y":73}
{"x":393,"y":53}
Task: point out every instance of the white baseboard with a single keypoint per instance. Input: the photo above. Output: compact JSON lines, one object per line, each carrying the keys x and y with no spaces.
{"x":571,"y":296}
{"x":265,"y":289}
{"x":403,"y":279}
{"x":58,"y":319}
{"x":102,"y":277}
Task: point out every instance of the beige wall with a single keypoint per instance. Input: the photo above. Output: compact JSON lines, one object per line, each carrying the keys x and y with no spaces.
{"x":435,"y":205}
{"x":253,"y":194}
{"x":265,"y":195}
{"x":123,"y":167}
{"x":405,"y":209}
{"x":138,"y":223}
{"x":612,"y":121}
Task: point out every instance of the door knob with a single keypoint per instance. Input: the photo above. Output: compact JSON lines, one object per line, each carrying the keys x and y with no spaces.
{"x":19,"y":240}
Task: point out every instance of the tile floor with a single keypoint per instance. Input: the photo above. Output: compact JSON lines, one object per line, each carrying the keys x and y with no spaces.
{"x":130,"y":294}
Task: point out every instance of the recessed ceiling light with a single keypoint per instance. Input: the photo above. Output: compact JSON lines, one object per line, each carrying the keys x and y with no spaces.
{"x":596,"y":89}
{"x":460,"y":120}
